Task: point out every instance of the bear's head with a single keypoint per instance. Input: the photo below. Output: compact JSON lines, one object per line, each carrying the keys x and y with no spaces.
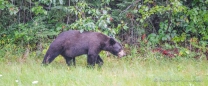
{"x":115,"y":48}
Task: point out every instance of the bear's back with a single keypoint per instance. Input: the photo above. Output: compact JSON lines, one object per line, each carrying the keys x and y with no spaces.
{"x":86,"y":35}
{"x":76,"y":37}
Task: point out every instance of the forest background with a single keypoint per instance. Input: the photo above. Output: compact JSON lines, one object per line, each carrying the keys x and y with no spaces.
{"x":166,"y":42}
{"x":172,"y":27}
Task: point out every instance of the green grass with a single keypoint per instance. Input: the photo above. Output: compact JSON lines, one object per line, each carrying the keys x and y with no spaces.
{"x":150,"y":70}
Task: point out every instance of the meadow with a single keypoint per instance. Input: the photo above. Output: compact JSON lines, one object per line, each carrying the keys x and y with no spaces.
{"x":29,"y":26}
{"x":134,"y":70}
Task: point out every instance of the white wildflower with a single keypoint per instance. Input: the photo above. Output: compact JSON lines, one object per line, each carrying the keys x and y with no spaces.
{"x":34,"y":82}
{"x":16,"y":81}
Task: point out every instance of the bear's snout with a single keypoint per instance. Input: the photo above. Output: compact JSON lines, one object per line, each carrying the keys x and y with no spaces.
{"x":121,"y":53}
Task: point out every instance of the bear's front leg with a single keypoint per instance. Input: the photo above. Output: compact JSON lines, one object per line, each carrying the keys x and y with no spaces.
{"x":99,"y":61}
{"x":91,"y":60}
{"x":70,"y":60}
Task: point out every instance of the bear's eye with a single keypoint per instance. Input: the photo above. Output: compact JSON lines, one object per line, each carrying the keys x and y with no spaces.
{"x":119,"y":50}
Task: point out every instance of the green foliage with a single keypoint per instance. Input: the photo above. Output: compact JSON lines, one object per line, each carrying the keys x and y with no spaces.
{"x":178,"y":24}
{"x":8,"y":6}
{"x":93,"y":19}
{"x":28,"y":22}
{"x":38,"y":10}
{"x":179,"y":20}
{"x":181,"y":38}
{"x":153,"y":38}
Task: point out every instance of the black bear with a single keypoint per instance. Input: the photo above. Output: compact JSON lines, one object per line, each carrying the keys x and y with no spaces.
{"x":73,"y":43}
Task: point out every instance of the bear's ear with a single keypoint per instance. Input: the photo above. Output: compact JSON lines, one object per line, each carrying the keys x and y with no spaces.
{"x":112,"y":41}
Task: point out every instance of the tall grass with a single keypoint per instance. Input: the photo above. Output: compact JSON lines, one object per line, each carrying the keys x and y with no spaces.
{"x":136,"y":70}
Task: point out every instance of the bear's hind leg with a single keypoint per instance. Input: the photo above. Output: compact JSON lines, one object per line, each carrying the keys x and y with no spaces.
{"x":70,"y":60}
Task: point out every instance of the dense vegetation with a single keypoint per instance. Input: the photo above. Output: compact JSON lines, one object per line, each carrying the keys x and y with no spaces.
{"x":150,"y":30}
{"x":175,"y":24}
